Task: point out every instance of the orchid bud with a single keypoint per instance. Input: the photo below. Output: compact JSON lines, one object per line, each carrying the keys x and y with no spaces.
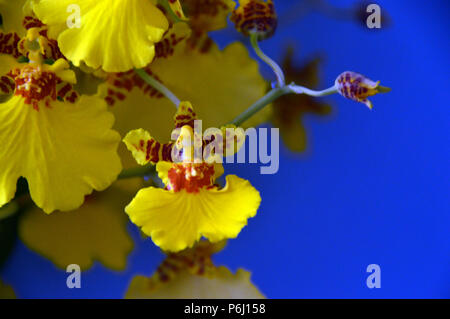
{"x":255,"y":17}
{"x":357,"y":87}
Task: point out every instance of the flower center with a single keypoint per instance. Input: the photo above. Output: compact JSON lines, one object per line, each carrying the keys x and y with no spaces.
{"x":191,"y":177}
{"x":35,"y":85}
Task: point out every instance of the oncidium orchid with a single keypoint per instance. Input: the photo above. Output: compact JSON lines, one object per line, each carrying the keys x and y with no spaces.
{"x":62,"y":143}
{"x":134,"y":58}
{"x":191,"y":205}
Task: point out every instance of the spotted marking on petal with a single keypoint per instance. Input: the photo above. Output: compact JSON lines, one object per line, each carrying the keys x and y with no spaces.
{"x":121,"y":84}
{"x":205,"y":16}
{"x":9,"y":44}
{"x":66,"y":92}
{"x":153,"y":150}
{"x":32,"y":22}
{"x":232,"y":143}
{"x":166,"y":47}
{"x":7,"y":85}
{"x":200,"y":41}
{"x":196,"y":261}
{"x":185,"y":115}
{"x":210,"y":8}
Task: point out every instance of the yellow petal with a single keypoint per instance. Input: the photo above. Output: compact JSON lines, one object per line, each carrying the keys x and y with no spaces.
{"x":94,"y":232}
{"x":115,"y":35}
{"x":223,"y":284}
{"x":233,"y":142}
{"x":176,"y":220}
{"x":133,"y":140}
{"x":163,"y":168}
{"x":64,"y":151}
{"x":146,"y":149}
{"x":12,"y":12}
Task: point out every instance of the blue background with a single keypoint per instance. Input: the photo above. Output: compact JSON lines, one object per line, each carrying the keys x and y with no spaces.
{"x":372,"y":188}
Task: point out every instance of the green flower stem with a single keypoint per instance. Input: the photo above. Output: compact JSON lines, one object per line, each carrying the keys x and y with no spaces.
{"x":158,"y":86}
{"x":271,"y":96}
{"x":274,"y":94}
{"x":275,"y":67}
{"x":137,"y":171}
{"x":302,"y":90}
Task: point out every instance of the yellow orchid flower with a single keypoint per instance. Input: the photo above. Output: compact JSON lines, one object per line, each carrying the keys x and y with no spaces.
{"x":192,"y":274}
{"x":61,"y":143}
{"x":116,"y":36}
{"x":357,"y":87}
{"x":191,"y":205}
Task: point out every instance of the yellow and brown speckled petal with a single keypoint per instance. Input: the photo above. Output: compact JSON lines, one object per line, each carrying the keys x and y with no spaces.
{"x":146,"y":149}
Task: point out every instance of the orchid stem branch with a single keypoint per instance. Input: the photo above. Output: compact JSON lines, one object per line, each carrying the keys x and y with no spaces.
{"x":273,"y":65}
{"x":158,"y":86}
{"x":274,"y":94}
{"x":271,"y":96}
{"x":303,"y":90}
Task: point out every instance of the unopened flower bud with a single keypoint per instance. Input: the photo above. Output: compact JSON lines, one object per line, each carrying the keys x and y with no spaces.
{"x":357,"y":87}
{"x":255,"y":17}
